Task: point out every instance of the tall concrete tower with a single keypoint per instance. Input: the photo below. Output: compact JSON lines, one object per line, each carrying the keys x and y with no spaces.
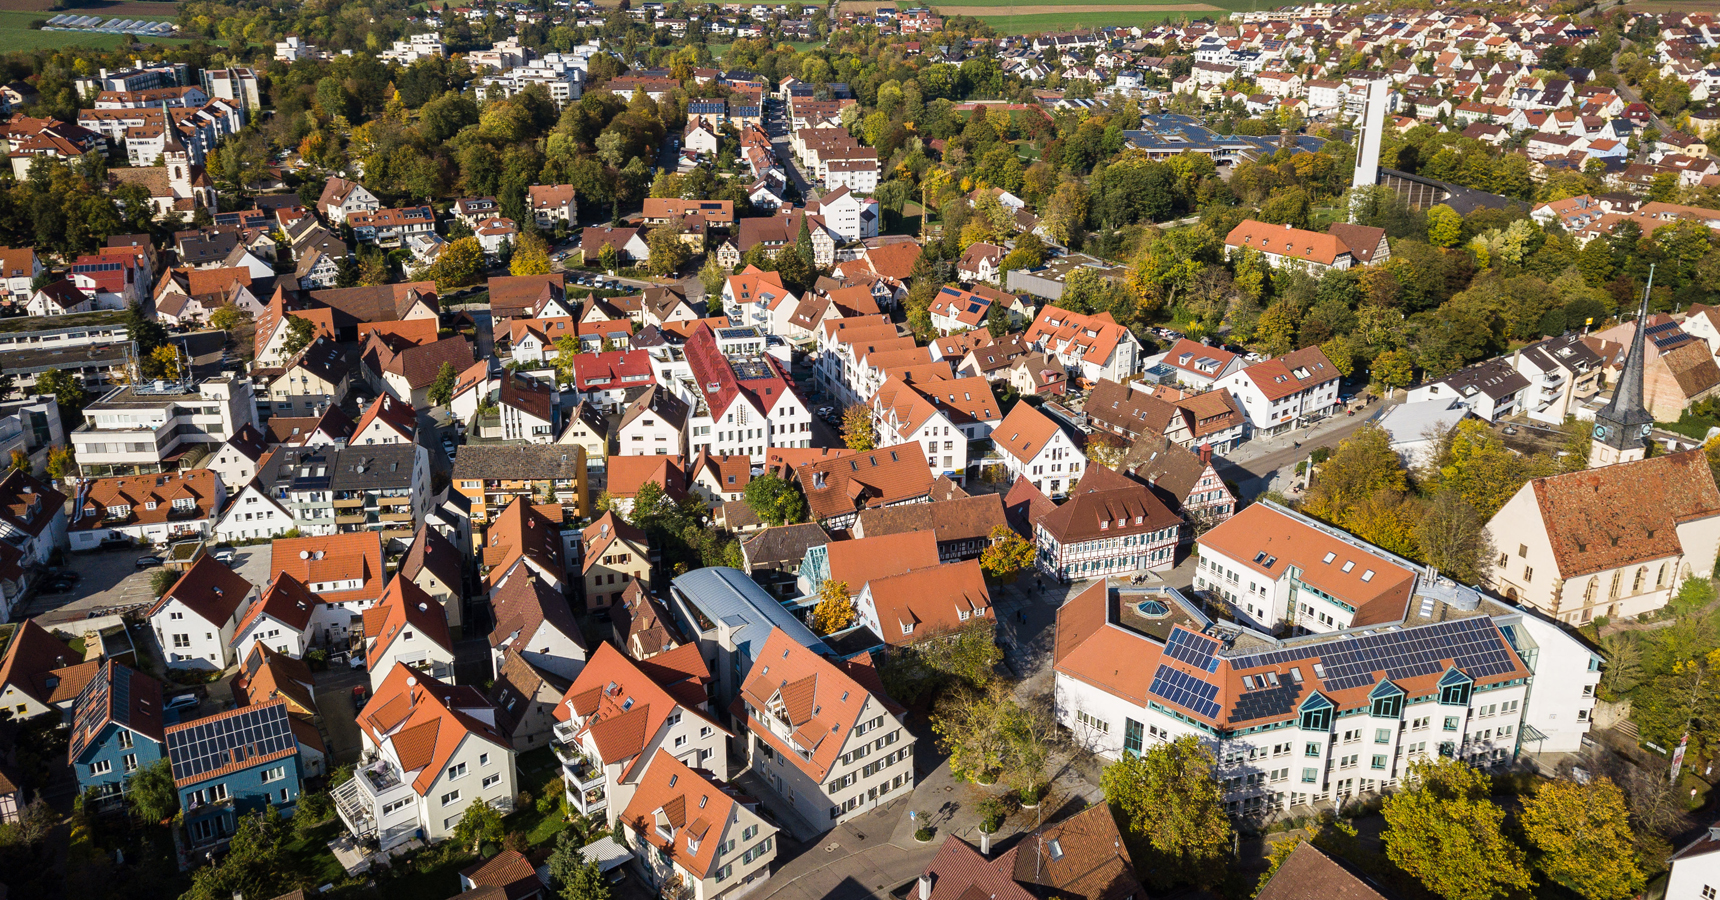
{"x":1373,"y":126}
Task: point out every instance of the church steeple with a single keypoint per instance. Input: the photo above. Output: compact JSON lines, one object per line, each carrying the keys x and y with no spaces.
{"x":1621,"y":429}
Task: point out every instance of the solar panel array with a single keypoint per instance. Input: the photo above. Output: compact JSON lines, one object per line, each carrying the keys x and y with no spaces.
{"x":206,"y":746}
{"x":1266,"y":703}
{"x":1194,"y":649}
{"x":1472,"y":644}
{"x":1185,"y":690}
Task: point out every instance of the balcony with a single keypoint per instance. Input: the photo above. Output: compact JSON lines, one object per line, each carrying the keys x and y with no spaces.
{"x":564,"y":734}
{"x":357,"y":518}
{"x":349,"y":502}
{"x":584,"y":780}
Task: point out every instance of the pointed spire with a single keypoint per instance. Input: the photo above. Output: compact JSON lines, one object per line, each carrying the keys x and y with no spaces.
{"x":1626,"y":412}
{"x":171,"y":131}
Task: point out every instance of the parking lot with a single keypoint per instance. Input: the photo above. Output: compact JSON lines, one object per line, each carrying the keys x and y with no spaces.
{"x":110,"y":581}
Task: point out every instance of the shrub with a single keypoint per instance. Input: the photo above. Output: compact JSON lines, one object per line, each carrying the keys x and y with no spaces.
{"x":991,"y":815}
{"x":923,"y":834}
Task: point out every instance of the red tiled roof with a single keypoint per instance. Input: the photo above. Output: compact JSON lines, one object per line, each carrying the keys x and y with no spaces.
{"x":821,"y":703}
{"x":1614,"y":516}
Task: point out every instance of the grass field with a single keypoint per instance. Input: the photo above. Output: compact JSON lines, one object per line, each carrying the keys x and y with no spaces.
{"x":16,"y":33}
{"x":1043,"y":16}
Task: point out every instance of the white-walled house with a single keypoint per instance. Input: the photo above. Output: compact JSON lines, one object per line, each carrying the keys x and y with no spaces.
{"x":602,"y":764}
{"x":1278,"y":394}
{"x":703,"y":834}
{"x":819,"y":738}
{"x":195,"y":620}
{"x":1614,"y":541}
{"x":253,"y":514}
{"x":430,"y":750}
{"x":279,"y":620}
{"x":1093,"y":347}
{"x":1034,"y":447}
{"x":536,"y":622}
{"x":407,"y":627}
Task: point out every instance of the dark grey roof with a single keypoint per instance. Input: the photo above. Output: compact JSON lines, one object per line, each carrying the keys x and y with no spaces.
{"x":517,"y":461}
{"x":373,"y":467}
{"x":783,"y":544}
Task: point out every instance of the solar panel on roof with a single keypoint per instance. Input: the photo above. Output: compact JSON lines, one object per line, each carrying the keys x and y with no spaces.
{"x":1472,"y":644}
{"x":1185,"y":690}
{"x":206,"y":746}
{"x":1194,"y":649}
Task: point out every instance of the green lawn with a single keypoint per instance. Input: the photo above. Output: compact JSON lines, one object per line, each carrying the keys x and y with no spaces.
{"x":1046,"y":23}
{"x":311,"y":855}
{"x":16,"y":33}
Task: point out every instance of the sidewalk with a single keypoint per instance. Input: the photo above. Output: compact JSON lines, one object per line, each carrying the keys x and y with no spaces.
{"x":1308,"y":437}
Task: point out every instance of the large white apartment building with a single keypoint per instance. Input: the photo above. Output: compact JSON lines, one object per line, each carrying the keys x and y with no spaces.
{"x":138,"y":428}
{"x":1306,"y":721}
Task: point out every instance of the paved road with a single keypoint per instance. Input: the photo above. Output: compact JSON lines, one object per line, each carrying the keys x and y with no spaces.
{"x":1254,"y":465}
{"x":776,"y":125}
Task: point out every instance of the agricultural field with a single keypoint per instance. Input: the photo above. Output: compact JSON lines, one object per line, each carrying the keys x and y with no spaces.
{"x":16,"y":16}
{"x":1040,"y":16}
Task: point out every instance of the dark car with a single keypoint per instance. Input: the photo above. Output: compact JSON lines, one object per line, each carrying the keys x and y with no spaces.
{"x":148,"y":562}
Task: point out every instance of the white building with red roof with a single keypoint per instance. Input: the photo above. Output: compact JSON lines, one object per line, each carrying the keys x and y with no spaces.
{"x":743,"y":404}
{"x":344,"y":571}
{"x":196,"y":618}
{"x":279,"y":620}
{"x":430,"y":751}
{"x":1280,"y":393}
{"x":619,"y":714}
{"x":706,"y":835}
{"x":1312,"y":719}
{"x":824,"y":735}
{"x":603,"y":379}
{"x":1092,"y":347}
{"x":1035,"y":447}
{"x":1199,"y":366}
{"x":407,"y":627}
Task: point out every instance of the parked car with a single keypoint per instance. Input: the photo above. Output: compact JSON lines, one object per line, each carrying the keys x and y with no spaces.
{"x":357,"y":661}
{"x":183,"y":701}
{"x":148,"y":562}
{"x":224,"y":554}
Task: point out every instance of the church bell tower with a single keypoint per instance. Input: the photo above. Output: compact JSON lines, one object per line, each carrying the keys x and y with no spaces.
{"x":1622,"y":428}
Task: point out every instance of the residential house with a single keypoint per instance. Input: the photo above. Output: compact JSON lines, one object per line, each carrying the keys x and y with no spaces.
{"x":525,"y":543}
{"x":406,"y":626}
{"x":148,"y":509}
{"x":280,"y":620}
{"x":1035,"y":447}
{"x":491,"y":476}
{"x":1279,"y":394}
{"x":195,"y":621}
{"x":116,"y":729}
{"x":40,"y":674}
{"x":438,"y":567}
{"x":1092,"y":347}
{"x":704,"y":835}
{"x":1111,"y":525}
{"x":232,"y":764}
{"x":534,"y":622}
{"x":838,"y":489}
{"x":616,"y":554}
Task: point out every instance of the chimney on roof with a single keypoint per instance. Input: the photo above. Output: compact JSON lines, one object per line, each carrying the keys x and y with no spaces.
{"x":926,"y":885}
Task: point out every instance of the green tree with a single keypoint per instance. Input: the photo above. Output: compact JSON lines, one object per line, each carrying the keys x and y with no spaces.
{"x":300,"y":332}
{"x":774,"y":500}
{"x":442,"y":389}
{"x":151,"y":792}
{"x":1453,"y":538}
{"x":162,"y":580}
{"x":712,"y":276}
{"x":1475,"y":463}
{"x":256,"y":864}
{"x":20,"y":461}
{"x":1392,"y":369}
{"x":1444,"y":226}
{"x":62,"y":462}
{"x":608,"y":258}
{"x":531,"y":257}
{"x":67,"y":390}
{"x":973,"y":728}
{"x":1008,"y":555}
{"x":459,"y":264}
{"x":144,"y":330}
{"x":228,"y":317}
{"x":857,"y":430}
{"x":481,"y":824}
{"x":1172,"y":809}
{"x":1364,"y":464}
{"x":835,"y":609}
{"x":668,"y":252}
{"x":571,"y":875}
{"x":1444,"y":830}
{"x":1583,"y":834}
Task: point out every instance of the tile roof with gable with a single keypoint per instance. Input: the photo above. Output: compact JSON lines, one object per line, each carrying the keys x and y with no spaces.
{"x":627,"y":474}
{"x":967,"y":309}
{"x":720,"y":381}
{"x":392,"y":412}
{"x":609,"y":528}
{"x":1267,"y":541}
{"x":695,"y":807}
{"x":426,"y":721}
{"x":286,"y":600}
{"x":420,"y":364}
{"x":146,"y":499}
{"x":1283,"y":240}
{"x":509,"y":871}
{"x":322,"y":559}
{"x":521,"y":532}
{"x":27,"y":504}
{"x":431,"y":550}
{"x":209,"y":588}
{"x":819,"y":700}
{"x":857,"y":561}
{"x":116,"y":694}
{"x":522,"y":605}
{"x":1106,"y":504}
{"x":380,"y":303}
{"x":1121,"y":409}
{"x":1310,"y":873}
{"x":1082,"y":857}
{"x":642,"y":624}
{"x":404,"y":605}
{"x":882,"y":477}
{"x":962,"y":519}
{"x":929,"y":601}
{"x":784,"y":545}
{"x":240,"y":730}
{"x":268,"y":674}
{"x":1291,"y":373}
{"x":1616,"y":515}
{"x":1092,"y":338}
{"x":1198,"y":359}
{"x":43,"y":667}
{"x":613,"y":370}
{"x":1025,"y":505}
{"x":1024,"y":433}
{"x":622,"y":706}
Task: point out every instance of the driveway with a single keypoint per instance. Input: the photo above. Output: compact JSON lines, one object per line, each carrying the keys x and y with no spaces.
{"x":111,"y":580}
{"x":339,"y":720}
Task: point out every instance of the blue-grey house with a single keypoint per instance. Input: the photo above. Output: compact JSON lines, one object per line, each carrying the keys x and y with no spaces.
{"x":116,"y":729}
{"x":233,"y":764}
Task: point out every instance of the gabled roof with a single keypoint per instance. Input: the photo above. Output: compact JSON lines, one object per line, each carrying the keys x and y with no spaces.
{"x":391,"y":412}
{"x":404,"y":609}
{"x":1024,"y":433}
{"x":627,"y":474}
{"x":967,"y":518}
{"x":621,"y":705}
{"x":1376,"y":586}
{"x":1614,"y":516}
{"x":820,"y":701}
{"x":857,"y":561}
{"x":286,"y":600}
{"x":137,"y":494}
{"x":1310,"y":873}
{"x":926,"y":602}
{"x":521,"y":532}
{"x":522,"y":605}
{"x":1106,"y":504}
{"x":694,"y":806}
{"x":355,"y":556}
{"x":881,"y":477}
{"x":268,"y":674}
{"x":642,"y":624}
{"x":116,"y":695}
{"x":426,"y":721}
{"x":216,"y":746}
{"x":430,"y":550}
{"x":1079,"y":858}
{"x":29,"y":505}
{"x":1291,"y":373}
{"x":209,"y":589}
{"x":43,"y":667}
{"x":783,"y":543}
{"x":608,"y":529}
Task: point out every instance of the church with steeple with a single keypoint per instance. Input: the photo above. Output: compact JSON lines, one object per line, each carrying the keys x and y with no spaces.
{"x":1621,"y":429}
{"x":177,"y":185}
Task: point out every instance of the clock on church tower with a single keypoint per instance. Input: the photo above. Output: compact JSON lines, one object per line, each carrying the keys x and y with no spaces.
{"x":1622,"y":428}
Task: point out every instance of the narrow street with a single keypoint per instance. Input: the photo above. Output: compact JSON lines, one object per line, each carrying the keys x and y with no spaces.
{"x":1253,"y":467}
